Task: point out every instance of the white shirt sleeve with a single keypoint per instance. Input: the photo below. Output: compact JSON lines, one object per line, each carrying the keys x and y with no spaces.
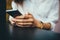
{"x":14,"y":5}
{"x":53,"y":15}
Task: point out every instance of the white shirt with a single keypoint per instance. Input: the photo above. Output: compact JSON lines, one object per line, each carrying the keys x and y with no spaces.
{"x":42,"y":10}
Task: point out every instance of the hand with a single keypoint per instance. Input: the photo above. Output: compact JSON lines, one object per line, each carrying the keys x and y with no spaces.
{"x":11,"y":20}
{"x":18,"y":20}
{"x":27,"y":20}
{"x":36,"y":23}
{"x":23,"y":21}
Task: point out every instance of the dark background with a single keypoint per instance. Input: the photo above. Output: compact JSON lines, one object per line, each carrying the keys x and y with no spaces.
{"x":3,"y":29}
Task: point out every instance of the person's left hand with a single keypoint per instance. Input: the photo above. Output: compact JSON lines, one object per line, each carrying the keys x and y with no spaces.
{"x":36,"y":23}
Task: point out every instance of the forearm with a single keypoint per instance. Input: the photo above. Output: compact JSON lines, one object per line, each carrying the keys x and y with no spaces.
{"x":42,"y":25}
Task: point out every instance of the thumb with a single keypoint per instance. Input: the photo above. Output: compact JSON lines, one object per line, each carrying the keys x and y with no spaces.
{"x":12,"y":22}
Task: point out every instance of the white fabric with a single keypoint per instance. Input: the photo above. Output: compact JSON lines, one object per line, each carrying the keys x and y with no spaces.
{"x":42,"y":10}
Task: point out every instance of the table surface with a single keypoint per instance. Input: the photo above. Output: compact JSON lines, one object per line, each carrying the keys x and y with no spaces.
{"x":33,"y":34}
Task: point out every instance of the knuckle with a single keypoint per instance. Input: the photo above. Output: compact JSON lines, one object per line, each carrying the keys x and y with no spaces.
{"x":21,"y":24}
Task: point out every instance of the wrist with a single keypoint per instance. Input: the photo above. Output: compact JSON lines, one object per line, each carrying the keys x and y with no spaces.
{"x":38,"y":24}
{"x":42,"y":25}
{"x":46,"y":26}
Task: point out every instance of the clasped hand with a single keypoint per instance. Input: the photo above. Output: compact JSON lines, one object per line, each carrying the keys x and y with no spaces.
{"x":23,"y":21}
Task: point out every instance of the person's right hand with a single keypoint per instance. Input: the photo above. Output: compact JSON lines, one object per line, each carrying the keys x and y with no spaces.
{"x":16,"y":19}
{"x":11,"y":20}
{"x":21,"y":21}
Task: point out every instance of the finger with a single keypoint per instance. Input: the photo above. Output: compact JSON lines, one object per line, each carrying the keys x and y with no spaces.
{"x":18,"y":20}
{"x":19,"y":25}
{"x":24,"y":24}
{"x":12,"y":22}
{"x":27,"y":23}
{"x":19,"y":17}
{"x":24,"y":20}
{"x":28,"y":16}
{"x":28,"y":20}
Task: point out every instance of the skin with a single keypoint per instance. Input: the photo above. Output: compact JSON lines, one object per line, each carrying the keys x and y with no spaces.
{"x":28,"y":20}
{"x":21,"y":21}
